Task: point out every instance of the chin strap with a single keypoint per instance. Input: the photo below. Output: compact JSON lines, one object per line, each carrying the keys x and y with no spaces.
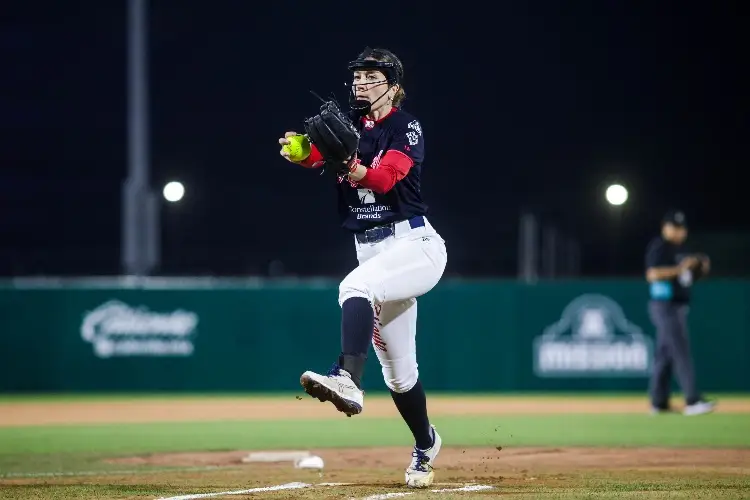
{"x":362,"y":107}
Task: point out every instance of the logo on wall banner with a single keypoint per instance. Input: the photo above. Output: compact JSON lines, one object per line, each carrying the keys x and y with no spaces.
{"x":593,"y":338}
{"x":117,"y":329}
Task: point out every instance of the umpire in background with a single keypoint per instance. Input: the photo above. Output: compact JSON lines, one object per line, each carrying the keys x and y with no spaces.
{"x":671,"y":271}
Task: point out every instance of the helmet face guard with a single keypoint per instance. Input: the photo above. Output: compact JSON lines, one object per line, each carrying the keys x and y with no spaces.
{"x":389,"y":69}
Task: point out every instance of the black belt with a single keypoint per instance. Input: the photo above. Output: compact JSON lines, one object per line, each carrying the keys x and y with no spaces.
{"x":379,"y":233}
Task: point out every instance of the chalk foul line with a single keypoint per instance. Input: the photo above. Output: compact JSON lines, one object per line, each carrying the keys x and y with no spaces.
{"x":468,"y":487}
{"x":293,"y":486}
{"x":287,"y":486}
{"x":112,"y":472}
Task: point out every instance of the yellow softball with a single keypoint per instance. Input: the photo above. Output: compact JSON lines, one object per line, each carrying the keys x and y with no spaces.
{"x":298,"y":147}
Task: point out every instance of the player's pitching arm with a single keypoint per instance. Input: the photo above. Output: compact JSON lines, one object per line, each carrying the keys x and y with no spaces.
{"x":393,"y":167}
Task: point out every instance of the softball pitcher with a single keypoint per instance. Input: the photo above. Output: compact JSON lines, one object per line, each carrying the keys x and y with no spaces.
{"x":376,"y":152}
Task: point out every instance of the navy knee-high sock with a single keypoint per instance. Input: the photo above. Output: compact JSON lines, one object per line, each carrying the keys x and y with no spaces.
{"x":412,"y":405}
{"x":357,"y":321}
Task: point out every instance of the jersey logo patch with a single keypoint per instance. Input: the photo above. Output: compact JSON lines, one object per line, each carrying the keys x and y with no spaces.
{"x":416,"y":131}
{"x":366,"y":196}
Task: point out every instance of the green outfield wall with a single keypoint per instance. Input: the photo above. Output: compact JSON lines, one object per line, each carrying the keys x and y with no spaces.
{"x":193,"y":335}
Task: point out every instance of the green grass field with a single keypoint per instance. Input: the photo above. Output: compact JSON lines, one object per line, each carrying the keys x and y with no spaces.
{"x":554,"y":455}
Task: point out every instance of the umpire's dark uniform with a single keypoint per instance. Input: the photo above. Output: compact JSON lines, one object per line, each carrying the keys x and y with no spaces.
{"x":669,"y":300}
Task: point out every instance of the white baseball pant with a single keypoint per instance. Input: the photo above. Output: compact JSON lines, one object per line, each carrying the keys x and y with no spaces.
{"x":391,"y":274}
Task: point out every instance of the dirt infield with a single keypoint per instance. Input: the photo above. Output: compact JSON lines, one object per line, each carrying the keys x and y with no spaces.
{"x":476,"y":464}
{"x":378,"y":474}
{"x":369,"y":473}
{"x":96,"y":412}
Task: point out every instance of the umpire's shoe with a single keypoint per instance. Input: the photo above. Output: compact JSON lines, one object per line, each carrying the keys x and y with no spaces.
{"x":335,"y":386}
{"x":420,"y":472}
{"x":699,"y":408}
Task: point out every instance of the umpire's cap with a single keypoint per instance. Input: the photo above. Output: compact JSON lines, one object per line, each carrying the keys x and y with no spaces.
{"x":675,"y":217}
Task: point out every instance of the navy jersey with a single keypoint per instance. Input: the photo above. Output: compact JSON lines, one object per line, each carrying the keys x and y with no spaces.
{"x":662,"y":253}
{"x":361,"y":208}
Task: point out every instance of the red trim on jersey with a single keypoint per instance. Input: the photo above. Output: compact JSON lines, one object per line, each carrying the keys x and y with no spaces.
{"x":366,"y":120}
{"x":312,"y":160}
{"x":392,"y":168}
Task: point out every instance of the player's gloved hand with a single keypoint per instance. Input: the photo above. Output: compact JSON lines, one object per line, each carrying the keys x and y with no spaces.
{"x":689,"y":262}
{"x":284,"y":141}
{"x":702,"y":267}
{"x":334,"y":135}
{"x":705,"y":262}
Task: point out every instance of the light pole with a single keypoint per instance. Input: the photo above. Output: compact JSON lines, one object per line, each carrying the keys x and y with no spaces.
{"x":140,"y":205}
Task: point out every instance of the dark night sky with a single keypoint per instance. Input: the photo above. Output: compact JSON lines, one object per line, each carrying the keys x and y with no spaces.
{"x":527,"y":105}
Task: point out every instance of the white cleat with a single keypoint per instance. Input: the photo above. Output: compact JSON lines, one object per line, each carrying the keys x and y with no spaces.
{"x":337,"y":387}
{"x":699,"y":408}
{"x":420,"y":473}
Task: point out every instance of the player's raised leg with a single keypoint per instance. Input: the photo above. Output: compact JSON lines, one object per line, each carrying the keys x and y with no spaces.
{"x":342,"y":384}
{"x":394,"y":340}
{"x":397,"y":269}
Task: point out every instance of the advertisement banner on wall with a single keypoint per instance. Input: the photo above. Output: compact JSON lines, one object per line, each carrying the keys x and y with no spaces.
{"x":592,"y":338}
{"x":116,"y":329}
